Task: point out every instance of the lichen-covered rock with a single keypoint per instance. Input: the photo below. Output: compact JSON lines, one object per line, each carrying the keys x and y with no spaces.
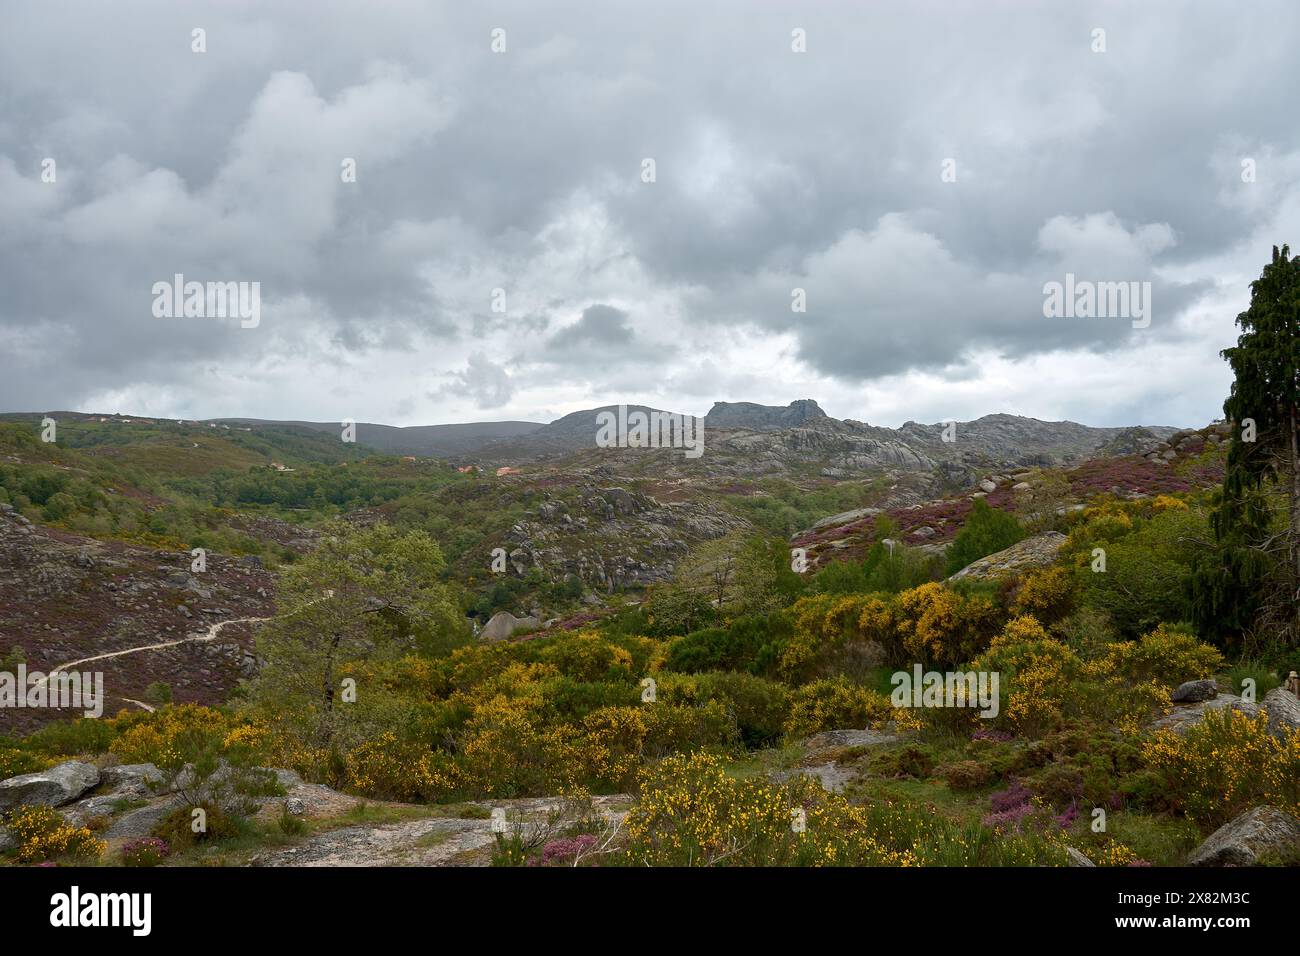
{"x":139,"y":822}
{"x":53,"y":788}
{"x":1192,"y":691}
{"x":130,"y":779}
{"x":1243,"y":840}
{"x":1185,"y":716}
{"x":503,"y":624}
{"x":1283,"y":711}
{"x":1036,"y":552}
{"x":1076,"y":858}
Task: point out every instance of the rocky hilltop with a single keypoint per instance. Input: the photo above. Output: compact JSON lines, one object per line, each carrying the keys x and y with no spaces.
{"x":762,"y":417}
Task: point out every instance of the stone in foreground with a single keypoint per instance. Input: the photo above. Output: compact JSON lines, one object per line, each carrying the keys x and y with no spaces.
{"x":52,"y":788}
{"x":1241,"y":842}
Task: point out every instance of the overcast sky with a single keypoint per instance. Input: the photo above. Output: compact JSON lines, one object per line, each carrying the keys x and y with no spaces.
{"x":523,"y":171}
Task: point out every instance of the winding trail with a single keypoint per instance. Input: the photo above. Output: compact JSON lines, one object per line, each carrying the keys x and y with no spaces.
{"x":212,"y":632}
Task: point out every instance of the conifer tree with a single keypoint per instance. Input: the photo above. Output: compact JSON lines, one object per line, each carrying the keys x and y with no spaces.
{"x":1250,"y":578}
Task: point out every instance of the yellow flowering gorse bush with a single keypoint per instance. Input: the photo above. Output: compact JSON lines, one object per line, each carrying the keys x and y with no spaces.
{"x":43,"y":834}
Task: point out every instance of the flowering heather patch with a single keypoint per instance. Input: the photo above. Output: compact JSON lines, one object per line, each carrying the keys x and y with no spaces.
{"x":1015,"y":795}
{"x":564,"y":851}
{"x":1130,"y":473}
{"x":945,"y":517}
{"x":988,"y":733}
{"x":1009,"y":820}
{"x":147,"y":851}
{"x":575,"y":622}
{"x":1066,"y":818}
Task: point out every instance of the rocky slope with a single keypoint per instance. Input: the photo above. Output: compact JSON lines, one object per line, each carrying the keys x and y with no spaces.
{"x":610,"y":537}
{"x":65,"y":598}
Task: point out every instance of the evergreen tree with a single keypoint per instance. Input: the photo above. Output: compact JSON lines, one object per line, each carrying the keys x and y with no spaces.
{"x":1251,"y":576}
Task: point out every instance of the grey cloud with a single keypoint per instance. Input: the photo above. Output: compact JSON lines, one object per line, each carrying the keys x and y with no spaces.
{"x":520,"y":171}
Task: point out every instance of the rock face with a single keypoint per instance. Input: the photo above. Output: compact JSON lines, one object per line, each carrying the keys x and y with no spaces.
{"x":503,"y":624}
{"x":1192,"y":691}
{"x":1035,"y":552}
{"x":1241,"y":842}
{"x":610,"y":537}
{"x":53,"y":787}
{"x":844,"y":517}
{"x":1185,"y":716}
{"x":442,"y":841}
{"x":762,"y":417}
{"x":1283,"y":711}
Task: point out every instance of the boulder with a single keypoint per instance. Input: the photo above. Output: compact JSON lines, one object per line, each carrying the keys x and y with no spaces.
{"x":1193,"y":691}
{"x":844,"y":517}
{"x":1035,"y":552}
{"x":1241,"y":841}
{"x":503,"y":624}
{"x":130,"y":779}
{"x":53,"y":788}
{"x":1283,"y":711}
{"x":83,"y":811}
{"x":138,"y":823}
{"x":1077,"y":858}
{"x":988,"y":487}
{"x":1185,"y":716}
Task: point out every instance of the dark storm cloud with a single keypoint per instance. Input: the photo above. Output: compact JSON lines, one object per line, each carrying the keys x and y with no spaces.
{"x":475,"y":171}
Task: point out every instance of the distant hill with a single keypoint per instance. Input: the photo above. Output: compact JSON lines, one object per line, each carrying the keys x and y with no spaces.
{"x":437,"y":441}
{"x":741,"y":438}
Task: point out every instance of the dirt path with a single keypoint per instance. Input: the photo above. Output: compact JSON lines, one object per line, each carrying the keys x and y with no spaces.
{"x":212,"y":632}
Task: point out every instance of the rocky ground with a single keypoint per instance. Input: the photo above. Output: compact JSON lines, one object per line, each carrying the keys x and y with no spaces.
{"x":122,"y":803}
{"x":66,"y":598}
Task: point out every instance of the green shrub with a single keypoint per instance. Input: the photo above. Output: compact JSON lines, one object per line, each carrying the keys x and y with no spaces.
{"x":985,"y":532}
{"x":834,"y":704}
{"x":909,"y":760}
{"x":966,"y":775}
{"x":185,"y":827}
{"x":741,"y":646}
{"x":1148,"y":566}
{"x":1169,"y":655}
{"x":758,"y":706}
